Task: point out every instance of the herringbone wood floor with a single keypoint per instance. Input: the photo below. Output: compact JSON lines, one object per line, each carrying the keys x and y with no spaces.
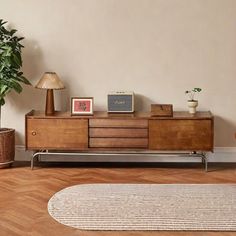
{"x":25,"y":193}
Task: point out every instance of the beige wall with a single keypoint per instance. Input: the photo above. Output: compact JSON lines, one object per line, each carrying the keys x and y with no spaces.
{"x":156,"y":48}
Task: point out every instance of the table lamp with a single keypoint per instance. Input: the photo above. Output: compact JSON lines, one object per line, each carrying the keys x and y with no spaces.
{"x":50,"y":81}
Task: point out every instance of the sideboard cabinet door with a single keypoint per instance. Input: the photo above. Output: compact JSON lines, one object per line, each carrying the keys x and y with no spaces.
{"x":64,"y":134}
{"x":185,"y":135}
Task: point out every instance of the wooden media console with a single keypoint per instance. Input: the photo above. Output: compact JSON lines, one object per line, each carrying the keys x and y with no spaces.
{"x":118,"y":134}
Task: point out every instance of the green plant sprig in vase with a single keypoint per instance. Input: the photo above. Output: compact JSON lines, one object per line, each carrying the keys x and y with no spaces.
{"x":191,"y":93}
{"x":192,"y":103}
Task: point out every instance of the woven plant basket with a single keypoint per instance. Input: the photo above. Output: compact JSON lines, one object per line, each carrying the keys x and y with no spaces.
{"x":7,"y":146}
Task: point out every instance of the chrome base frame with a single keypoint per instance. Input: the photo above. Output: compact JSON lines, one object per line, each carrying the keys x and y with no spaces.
{"x":202,"y":155}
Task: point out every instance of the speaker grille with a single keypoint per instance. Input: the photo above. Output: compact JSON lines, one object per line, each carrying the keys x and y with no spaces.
{"x":120,"y":103}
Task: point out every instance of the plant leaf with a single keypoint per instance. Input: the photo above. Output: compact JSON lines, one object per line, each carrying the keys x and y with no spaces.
{"x":3,"y":88}
{"x":24,"y":80}
{"x":17,"y":87}
{"x":13,"y":31}
{"x":2,"y":101}
{"x":11,"y":76}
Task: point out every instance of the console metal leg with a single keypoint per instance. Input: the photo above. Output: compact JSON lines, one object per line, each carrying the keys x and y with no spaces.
{"x":203,"y":160}
{"x":32,"y":162}
{"x":35,"y":155}
{"x":203,"y":157}
{"x":206,"y":163}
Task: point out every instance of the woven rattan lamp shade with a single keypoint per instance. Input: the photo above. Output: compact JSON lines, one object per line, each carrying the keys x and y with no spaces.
{"x":50,"y":81}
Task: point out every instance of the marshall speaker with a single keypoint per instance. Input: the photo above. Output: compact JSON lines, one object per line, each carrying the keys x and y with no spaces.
{"x":120,"y":102}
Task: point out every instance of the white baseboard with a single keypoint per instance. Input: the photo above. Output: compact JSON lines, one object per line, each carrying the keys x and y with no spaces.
{"x":221,"y":154}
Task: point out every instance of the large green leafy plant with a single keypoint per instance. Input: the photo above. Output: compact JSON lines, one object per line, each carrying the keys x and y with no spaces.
{"x":11,"y":75}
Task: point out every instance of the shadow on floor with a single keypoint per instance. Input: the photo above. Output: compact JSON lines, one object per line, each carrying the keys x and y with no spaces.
{"x":174,"y":165}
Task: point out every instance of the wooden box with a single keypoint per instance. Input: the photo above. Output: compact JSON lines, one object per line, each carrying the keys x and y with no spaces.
{"x":161,"y":110}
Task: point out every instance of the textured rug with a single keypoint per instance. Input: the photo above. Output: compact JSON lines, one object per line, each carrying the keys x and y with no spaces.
{"x":207,"y":207}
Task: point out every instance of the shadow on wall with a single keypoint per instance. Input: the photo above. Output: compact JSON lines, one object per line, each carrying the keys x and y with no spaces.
{"x":33,"y":60}
{"x":224,"y":128}
{"x":19,"y":138}
{"x":33,"y":65}
{"x":30,"y":98}
{"x":142,"y":103}
{"x":62,"y":98}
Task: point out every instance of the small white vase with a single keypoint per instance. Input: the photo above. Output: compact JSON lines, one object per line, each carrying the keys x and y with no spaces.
{"x":192,"y":105}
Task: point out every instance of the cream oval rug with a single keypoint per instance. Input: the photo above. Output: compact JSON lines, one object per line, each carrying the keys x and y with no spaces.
{"x":208,"y":207}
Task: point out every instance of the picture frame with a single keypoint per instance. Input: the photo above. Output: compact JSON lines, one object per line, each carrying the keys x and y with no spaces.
{"x":82,"y":106}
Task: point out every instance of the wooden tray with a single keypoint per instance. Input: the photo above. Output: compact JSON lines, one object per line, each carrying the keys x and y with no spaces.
{"x":161,"y":110}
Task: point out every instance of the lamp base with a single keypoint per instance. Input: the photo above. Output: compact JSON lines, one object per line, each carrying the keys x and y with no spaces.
{"x":49,"y":110}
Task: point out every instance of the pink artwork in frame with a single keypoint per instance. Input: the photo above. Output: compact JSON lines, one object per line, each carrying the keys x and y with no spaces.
{"x":82,"y":106}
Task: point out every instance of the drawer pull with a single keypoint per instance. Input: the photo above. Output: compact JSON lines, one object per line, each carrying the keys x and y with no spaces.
{"x":33,"y":133}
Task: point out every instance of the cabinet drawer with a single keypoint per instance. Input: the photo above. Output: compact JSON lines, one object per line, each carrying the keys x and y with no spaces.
{"x":57,"y":134}
{"x":121,"y":123}
{"x":118,"y":142}
{"x":117,"y":133}
{"x":189,"y":135}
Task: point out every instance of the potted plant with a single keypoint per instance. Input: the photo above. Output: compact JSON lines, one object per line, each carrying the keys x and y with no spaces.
{"x":192,"y":103}
{"x":11,"y":78}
